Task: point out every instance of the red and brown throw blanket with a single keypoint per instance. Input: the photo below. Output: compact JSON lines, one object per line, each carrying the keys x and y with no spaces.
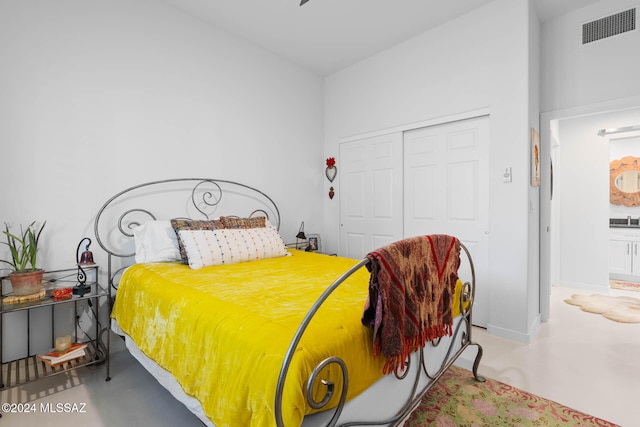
{"x":410,"y":295}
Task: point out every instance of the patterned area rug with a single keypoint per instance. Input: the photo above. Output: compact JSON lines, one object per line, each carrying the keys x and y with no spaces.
{"x":459,"y":400}
{"x":627,"y":286}
{"x":619,"y":309}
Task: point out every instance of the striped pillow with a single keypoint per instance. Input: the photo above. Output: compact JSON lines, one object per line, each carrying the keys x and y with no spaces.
{"x":236,"y":222}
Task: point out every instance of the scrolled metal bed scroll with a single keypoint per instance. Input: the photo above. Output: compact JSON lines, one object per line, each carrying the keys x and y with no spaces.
{"x":200,"y":198}
{"x":460,"y":336}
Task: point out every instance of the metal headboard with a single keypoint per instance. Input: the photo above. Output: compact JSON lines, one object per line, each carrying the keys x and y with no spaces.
{"x":195,"y":198}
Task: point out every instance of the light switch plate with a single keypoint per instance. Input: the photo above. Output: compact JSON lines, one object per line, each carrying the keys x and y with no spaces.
{"x":506,"y":176}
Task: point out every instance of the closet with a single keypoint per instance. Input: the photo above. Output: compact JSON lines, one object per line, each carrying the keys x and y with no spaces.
{"x":427,"y":180}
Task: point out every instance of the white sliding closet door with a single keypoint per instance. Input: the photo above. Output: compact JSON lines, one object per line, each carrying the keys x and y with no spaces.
{"x":447,"y":192}
{"x":371,"y":199}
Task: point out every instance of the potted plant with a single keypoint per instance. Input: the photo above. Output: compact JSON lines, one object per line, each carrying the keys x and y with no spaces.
{"x":26,"y":278}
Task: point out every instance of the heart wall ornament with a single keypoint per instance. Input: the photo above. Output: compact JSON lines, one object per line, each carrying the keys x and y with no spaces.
{"x":331,"y":171}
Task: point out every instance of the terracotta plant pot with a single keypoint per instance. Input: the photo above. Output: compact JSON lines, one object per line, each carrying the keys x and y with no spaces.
{"x":26,"y":283}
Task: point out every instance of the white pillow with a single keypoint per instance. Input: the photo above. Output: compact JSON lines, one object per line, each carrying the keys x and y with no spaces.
{"x":156,"y":241}
{"x":230,"y":246}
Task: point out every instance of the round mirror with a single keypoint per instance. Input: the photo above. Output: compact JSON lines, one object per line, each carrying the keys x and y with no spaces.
{"x":624,"y":181}
{"x":628,"y":181}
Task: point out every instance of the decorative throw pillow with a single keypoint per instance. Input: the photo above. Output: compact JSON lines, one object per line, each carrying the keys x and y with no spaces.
{"x":235,"y":222}
{"x":230,"y":246}
{"x":156,"y":241}
{"x":192,"y":224}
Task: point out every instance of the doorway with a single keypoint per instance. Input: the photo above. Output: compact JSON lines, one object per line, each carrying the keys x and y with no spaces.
{"x":574,"y":214}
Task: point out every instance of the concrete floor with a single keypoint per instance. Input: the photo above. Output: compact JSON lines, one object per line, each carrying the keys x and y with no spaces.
{"x":581,"y":360}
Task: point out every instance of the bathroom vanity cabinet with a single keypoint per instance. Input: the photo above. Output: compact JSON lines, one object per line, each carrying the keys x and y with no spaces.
{"x":624,"y":254}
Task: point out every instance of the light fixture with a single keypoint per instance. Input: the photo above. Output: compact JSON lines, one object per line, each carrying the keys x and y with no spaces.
{"x":604,"y":132}
{"x":300,"y":235}
{"x":83,"y":260}
{"x":303,"y":2}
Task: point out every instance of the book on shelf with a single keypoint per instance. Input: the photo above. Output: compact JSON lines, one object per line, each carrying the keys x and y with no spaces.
{"x":55,"y":357}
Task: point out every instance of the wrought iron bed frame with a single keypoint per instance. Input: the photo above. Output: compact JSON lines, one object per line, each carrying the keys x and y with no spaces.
{"x":206,"y":196}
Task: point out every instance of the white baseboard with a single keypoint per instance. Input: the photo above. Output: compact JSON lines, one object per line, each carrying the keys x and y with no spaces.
{"x":515,"y":335}
{"x":580,"y":285}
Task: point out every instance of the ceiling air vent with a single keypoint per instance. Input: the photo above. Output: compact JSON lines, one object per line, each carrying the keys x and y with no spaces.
{"x":609,"y":26}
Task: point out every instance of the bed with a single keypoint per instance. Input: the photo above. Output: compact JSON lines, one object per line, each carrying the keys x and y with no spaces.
{"x":247,"y":332}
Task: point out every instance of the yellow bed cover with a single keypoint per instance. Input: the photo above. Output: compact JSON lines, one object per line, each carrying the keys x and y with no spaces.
{"x":223,"y":331}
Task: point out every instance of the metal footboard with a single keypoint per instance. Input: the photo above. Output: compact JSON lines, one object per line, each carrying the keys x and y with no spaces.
{"x":461,"y":337}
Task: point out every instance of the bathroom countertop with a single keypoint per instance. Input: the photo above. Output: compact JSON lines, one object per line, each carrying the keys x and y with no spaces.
{"x":624,"y":222}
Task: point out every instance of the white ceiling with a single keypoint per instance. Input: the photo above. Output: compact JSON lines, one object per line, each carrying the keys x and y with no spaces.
{"x":325,"y":36}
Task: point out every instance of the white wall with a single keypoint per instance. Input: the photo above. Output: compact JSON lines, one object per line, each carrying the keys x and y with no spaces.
{"x":624,"y":144}
{"x":576,"y":75}
{"x":583,"y":196}
{"x":96,"y":96}
{"x":533,"y":279}
{"x":479,"y":60}
{"x":100,"y":95}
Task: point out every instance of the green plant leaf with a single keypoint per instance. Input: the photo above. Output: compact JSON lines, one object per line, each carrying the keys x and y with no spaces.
{"x":23,"y":249}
